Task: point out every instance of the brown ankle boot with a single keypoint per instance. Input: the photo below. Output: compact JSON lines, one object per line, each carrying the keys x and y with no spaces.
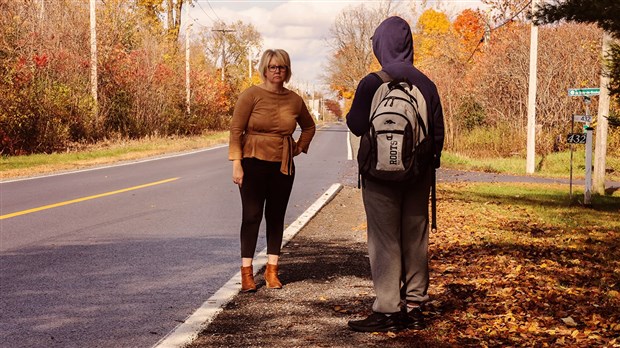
{"x":247,"y":279}
{"x":271,"y":277}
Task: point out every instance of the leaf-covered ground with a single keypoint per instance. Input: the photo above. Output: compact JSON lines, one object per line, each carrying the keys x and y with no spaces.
{"x":512,"y":265}
{"x":517,"y":265}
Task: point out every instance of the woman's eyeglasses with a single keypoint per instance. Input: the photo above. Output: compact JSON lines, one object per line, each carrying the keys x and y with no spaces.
{"x":274,"y":68}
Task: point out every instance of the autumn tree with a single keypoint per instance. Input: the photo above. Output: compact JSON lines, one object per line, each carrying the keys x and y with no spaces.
{"x":174,"y":8}
{"x":148,"y":10}
{"x":154,"y":10}
{"x":498,"y":81}
{"x":604,"y":13}
{"x":433,"y":39}
{"x":211,"y":99}
{"x":507,"y":10}
{"x":136,"y":85}
{"x":485,"y":100}
{"x":353,"y":57}
{"x":45,"y":102}
{"x":333,"y":106}
{"x":241,"y":44}
{"x":44,"y":82}
{"x":469,"y":27}
{"x":439,"y":54}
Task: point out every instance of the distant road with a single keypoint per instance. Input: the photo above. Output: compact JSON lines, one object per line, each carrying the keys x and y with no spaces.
{"x":118,"y":256}
{"x":452,"y":175}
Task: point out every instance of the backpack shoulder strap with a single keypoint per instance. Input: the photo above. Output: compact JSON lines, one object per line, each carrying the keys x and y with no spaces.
{"x":385,"y":77}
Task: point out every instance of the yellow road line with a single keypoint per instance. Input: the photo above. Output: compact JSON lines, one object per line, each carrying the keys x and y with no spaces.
{"x":60,"y":204}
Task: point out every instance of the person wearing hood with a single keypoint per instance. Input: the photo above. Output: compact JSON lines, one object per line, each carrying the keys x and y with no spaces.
{"x":396,"y":212}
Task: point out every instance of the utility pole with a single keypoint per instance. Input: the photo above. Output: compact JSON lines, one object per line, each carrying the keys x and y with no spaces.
{"x":93,"y":57}
{"x":600,"y":151}
{"x":223,"y":31}
{"x":41,"y":9}
{"x":531,"y":97}
{"x":187,"y":68}
{"x":223,"y":57}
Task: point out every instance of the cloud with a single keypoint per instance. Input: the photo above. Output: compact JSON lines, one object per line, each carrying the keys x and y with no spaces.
{"x":299,"y":27}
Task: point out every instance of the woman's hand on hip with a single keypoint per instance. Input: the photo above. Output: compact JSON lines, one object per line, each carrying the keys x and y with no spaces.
{"x":237,"y":175}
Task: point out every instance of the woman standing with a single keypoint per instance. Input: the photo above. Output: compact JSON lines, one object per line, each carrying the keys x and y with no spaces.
{"x":262,"y":148}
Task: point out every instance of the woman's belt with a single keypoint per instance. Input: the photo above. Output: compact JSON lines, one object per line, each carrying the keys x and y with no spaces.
{"x":287,"y":150}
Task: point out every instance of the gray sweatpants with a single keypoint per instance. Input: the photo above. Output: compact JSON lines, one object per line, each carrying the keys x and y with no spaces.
{"x":397,"y":217}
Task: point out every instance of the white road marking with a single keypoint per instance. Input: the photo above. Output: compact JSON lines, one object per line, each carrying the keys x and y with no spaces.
{"x":124,"y":163}
{"x":349,"y":147}
{"x":186,"y":332}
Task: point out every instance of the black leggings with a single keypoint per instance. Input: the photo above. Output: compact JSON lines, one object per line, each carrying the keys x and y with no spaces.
{"x":264,"y":188}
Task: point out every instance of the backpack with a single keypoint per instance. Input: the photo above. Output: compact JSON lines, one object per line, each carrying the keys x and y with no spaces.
{"x":397,"y":147}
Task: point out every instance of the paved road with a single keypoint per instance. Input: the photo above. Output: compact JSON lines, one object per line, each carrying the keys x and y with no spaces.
{"x":120,"y":264}
{"x":451,"y":175}
{"x":118,"y":256}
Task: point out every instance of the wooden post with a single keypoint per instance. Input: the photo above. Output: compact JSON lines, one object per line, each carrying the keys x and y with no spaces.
{"x":531,"y":98}
{"x":93,"y":57}
{"x":602,"y":125}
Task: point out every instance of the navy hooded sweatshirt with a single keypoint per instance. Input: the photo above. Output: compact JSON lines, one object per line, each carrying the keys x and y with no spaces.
{"x":392,"y":44}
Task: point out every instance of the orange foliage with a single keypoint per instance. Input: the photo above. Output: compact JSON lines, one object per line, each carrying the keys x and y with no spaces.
{"x":46,"y":102}
{"x":469,"y":27}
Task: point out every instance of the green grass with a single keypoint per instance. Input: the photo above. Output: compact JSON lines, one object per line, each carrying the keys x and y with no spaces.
{"x":551,"y":204}
{"x":491,"y":165}
{"x":555,"y":165}
{"x":104,"y":153}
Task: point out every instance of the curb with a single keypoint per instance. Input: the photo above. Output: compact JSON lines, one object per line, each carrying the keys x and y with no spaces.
{"x":186,"y":332}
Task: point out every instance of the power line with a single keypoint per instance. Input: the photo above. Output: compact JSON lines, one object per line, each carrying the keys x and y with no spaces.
{"x":196,"y":21}
{"x":212,"y":10}
{"x":205,"y":12}
{"x":497,"y":27}
{"x":475,"y":49}
{"x":514,"y":16}
{"x":223,"y":32}
{"x":209,"y":3}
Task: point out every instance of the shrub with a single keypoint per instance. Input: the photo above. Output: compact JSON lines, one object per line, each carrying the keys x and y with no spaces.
{"x":471,"y":113}
{"x":484,"y":142}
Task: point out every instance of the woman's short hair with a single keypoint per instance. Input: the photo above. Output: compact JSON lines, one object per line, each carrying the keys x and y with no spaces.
{"x":282,"y":58}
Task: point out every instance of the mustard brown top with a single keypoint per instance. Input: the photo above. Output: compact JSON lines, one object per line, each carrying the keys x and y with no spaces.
{"x":263,"y":124}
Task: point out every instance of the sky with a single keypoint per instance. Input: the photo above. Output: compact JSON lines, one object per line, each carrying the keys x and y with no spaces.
{"x":299,"y":27}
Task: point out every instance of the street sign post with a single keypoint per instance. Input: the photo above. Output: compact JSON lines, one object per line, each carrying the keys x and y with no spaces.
{"x":576,"y":138}
{"x":582,"y":118}
{"x":587,"y":194}
{"x":583,"y":92}
{"x":584,"y":138}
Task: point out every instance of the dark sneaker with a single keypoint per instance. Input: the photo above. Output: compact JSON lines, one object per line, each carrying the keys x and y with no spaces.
{"x":415,"y":319}
{"x":379,"y":322}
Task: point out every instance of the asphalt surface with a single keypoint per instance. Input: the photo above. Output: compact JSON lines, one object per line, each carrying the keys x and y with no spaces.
{"x":80,"y":290}
{"x":452,"y":175}
{"x":118,"y":256}
{"x":262,"y":311}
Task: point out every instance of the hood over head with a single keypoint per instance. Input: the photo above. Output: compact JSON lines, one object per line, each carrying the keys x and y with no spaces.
{"x":392,"y":42}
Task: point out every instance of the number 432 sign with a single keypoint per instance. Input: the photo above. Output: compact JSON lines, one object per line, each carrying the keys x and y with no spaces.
{"x":576,"y":138}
